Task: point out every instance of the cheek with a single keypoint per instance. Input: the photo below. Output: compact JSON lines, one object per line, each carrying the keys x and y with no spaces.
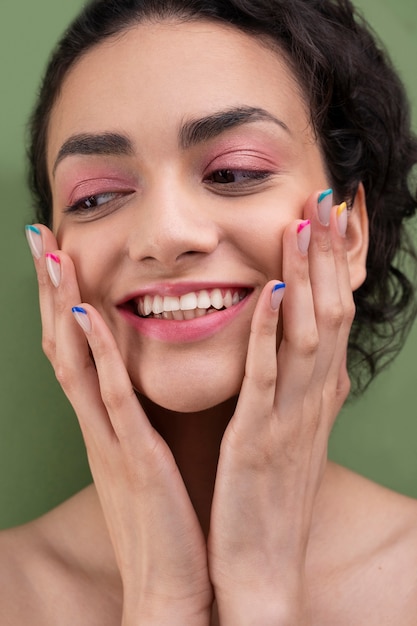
{"x":93,"y":261}
{"x":260,"y":241}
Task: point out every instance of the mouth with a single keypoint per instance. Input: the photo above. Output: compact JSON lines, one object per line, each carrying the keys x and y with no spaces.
{"x":189,"y":306}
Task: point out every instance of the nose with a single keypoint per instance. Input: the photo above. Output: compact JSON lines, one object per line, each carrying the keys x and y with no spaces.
{"x":171,"y":227}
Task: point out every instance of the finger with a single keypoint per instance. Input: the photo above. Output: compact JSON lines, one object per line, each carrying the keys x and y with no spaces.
{"x":258,"y":388}
{"x":338,"y":377}
{"x":297,"y":352}
{"x":127,"y":418}
{"x":72,"y":362}
{"x":325,"y":283}
{"x":41,"y":241}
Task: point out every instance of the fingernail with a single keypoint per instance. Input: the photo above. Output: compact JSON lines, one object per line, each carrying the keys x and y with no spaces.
{"x":53,"y":265}
{"x":342,"y":218}
{"x":81,"y":316}
{"x":277,"y":295}
{"x":303,"y":236}
{"x":34,"y":239}
{"x":324,"y":206}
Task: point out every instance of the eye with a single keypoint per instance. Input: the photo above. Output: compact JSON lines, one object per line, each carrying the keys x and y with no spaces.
{"x":236,"y":181}
{"x":236,"y":177}
{"x":92,"y":203}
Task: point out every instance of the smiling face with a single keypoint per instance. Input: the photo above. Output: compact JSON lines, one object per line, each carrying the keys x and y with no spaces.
{"x":177,"y":155}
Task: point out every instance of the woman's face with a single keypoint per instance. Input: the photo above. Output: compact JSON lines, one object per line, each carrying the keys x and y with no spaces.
{"x":184,"y":150}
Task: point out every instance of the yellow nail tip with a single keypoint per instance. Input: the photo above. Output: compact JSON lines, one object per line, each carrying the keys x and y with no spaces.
{"x":342,"y":207}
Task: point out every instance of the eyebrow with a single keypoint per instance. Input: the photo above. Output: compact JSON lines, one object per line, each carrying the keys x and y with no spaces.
{"x":97,"y":144}
{"x":206,"y":128}
{"x":191,"y":133}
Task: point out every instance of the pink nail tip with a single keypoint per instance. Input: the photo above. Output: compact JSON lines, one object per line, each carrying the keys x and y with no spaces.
{"x":303,"y":225}
{"x":53,"y":257}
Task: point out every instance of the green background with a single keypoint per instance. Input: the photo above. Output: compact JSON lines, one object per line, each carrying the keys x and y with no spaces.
{"x":42,"y":456}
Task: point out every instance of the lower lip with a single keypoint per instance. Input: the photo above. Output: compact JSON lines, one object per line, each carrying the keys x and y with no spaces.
{"x":173,"y":331}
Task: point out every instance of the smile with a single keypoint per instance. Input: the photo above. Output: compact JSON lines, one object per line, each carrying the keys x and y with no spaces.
{"x":179,"y":315}
{"x":188,"y":306}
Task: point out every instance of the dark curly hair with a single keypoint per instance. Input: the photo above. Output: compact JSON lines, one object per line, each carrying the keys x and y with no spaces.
{"x":359,"y":112}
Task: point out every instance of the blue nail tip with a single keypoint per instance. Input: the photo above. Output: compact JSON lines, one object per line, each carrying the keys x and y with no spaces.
{"x":324,"y":194}
{"x":278,"y":286}
{"x":33,"y":229}
{"x":79,"y":309}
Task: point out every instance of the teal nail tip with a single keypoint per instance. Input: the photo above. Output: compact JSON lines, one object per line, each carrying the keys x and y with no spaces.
{"x":278,"y":286}
{"x":79,"y":309}
{"x":33,"y":229}
{"x":324,"y":194}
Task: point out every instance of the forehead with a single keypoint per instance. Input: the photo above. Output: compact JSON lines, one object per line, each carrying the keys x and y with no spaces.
{"x":169,"y":72}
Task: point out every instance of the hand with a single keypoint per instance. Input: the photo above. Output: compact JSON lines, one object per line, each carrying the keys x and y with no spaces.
{"x":274,"y":450}
{"x":157,"y":540}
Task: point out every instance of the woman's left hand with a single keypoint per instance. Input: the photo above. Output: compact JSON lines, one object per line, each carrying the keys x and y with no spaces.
{"x":274,"y":451}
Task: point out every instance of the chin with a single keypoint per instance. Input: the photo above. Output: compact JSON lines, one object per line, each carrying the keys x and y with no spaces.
{"x":191,"y":398}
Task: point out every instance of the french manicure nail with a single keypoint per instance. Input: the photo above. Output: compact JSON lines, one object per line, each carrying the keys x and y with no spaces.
{"x":81,"y":316}
{"x":303,"y":236}
{"x":34,"y":239}
{"x":342,"y":218}
{"x":277,"y":295}
{"x":53,"y":264}
{"x":324,"y":206}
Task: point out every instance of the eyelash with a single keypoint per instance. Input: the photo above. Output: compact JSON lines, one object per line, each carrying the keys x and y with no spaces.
{"x":249,"y":178}
{"x":92,"y":199}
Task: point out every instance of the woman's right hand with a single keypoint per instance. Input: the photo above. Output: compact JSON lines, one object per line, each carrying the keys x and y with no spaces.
{"x":157,"y":540}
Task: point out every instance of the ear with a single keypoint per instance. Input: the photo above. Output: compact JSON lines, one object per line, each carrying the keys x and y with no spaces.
{"x":357,"y":239}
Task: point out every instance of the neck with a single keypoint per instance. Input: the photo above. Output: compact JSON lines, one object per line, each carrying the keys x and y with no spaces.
{"x":194,"y":439}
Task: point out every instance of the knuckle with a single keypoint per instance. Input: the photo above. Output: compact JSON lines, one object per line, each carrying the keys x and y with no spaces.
{"x":114,"y":399}
{"x":324,"y":244}
{"x":308,"y":345}
{"x":71,"y":376}
{"x":65,"y":376}
{"x":333,"y":316}
{"x":265,"y":381}
{"x":48,"y":346}
{"x":350,"y":311}
{"x":43,"y":280}
{"x":61,"y":306}
{"x":263,"y":329}
{"x":344,"y":386}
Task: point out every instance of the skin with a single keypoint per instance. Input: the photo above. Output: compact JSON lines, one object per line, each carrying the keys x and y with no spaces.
{"x":266,"y":532}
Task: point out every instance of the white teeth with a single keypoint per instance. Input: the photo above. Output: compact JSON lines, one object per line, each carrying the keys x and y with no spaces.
{"x":216,"y":299}
{"x":147,"y":305}
{"x":171,"y":303}
{"x":158,"y":305}
{"x":203,"y":300}
{"x":188,"y":302}
{"x":228,"y":299}
{"x":188,"y":306}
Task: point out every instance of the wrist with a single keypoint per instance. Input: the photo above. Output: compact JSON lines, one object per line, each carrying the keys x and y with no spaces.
{"x":161,"y":617}
{"x":164,"y":612}
{"x":259,"y":609}
{"x":273,"y":615}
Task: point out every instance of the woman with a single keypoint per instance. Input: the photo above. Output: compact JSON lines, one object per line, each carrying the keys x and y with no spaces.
{"x":214,"y":182}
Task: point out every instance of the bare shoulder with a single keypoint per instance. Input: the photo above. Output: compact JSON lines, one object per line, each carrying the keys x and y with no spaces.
{"x":51,"y":574}
{"x":371,"y":564}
